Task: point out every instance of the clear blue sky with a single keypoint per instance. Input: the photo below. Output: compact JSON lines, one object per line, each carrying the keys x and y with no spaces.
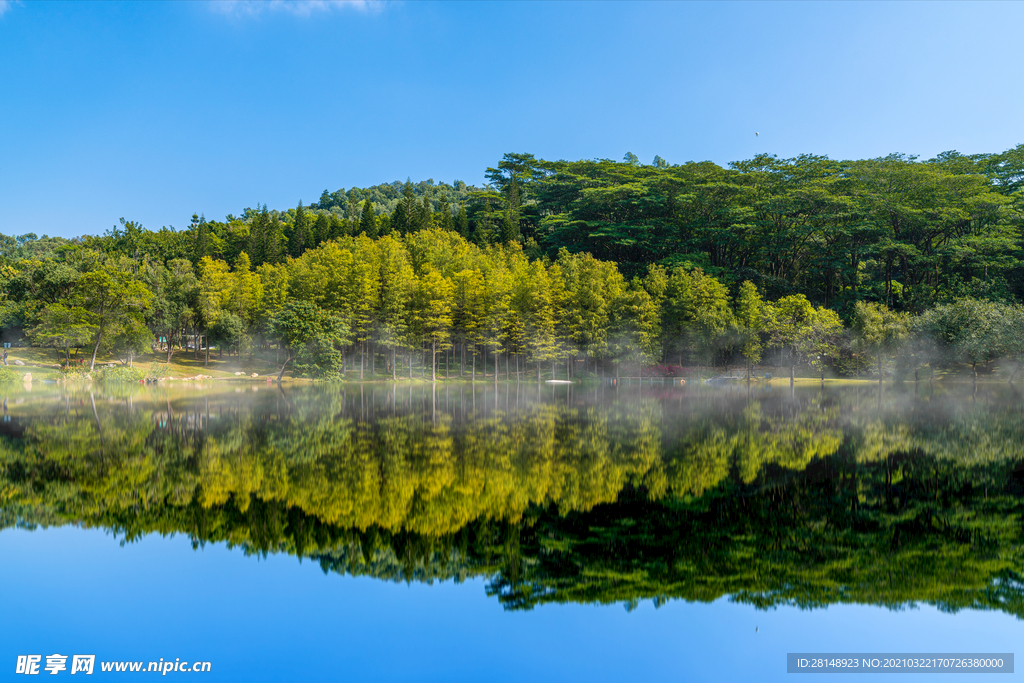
{"x":153,"y":111}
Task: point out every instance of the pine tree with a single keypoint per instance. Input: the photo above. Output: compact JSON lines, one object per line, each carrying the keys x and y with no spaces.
{"x":462,"y":222}
{"x":399,"y":220}
{"x":264,"y":238}
{"x":321,"y":230}
{"x":426,"y":215}
{"x":353,"y":213}
{"x":445,"y":221}
{"x":408,"y":210}
{"x":510,"y":224}
{"x":482,"y":232}
{"x":298,"y":235}
{"x":368,"y":224}
{"x":202,"y":241}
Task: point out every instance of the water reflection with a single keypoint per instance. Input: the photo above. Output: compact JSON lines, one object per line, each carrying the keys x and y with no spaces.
{"x":597,"y":495}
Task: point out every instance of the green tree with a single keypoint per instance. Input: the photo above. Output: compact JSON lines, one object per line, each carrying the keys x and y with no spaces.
{"x":788,"y":321}
{"x":299,"y":235}
{"x":820,"y":339}
{"x":462,"y":222}
{"x":62,"y":328}
{"x":265,"y":237}
{"x":311,"y":335}
{"x":201,"y":230}
{"x":445,"y":220}
{"x":110,"y":293}
{"x":879,"y":330}
{"x":175,"y":296}
{"x":433,"y":310}
{"x":972,"y":331}
{"x":750,"y":322}
{"x":368,"y":223}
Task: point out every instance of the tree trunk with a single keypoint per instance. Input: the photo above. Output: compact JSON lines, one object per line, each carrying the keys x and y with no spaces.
{"x":433,"y":361}
{"x":286,"y":361}
{"x":95,"y":349}
{"x":394,"y":364}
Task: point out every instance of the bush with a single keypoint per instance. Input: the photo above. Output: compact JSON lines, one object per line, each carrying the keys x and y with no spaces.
{"x":8,"y":375}
{"x":120,"y":374}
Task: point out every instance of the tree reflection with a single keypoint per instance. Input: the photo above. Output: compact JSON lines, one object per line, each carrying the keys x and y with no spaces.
{"x":808,"y":500}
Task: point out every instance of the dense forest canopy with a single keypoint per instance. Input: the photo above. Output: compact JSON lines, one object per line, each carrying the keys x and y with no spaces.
{"x":599,"y":266}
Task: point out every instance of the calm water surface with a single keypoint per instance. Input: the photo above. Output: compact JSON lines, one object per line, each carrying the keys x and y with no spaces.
{"x":516,"y":532}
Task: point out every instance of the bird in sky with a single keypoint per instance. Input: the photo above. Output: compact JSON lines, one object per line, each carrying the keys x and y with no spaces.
{"x":756,"y":134}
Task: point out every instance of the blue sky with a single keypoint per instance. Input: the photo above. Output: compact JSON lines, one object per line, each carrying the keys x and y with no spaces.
{"x":153,"y":111}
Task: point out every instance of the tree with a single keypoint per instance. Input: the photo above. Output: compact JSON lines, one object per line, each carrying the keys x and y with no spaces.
{"x":696,"y":314}
{"x":510,"y":221}
{"x":110,"y":293}
{"x":462,"y":222}
{"x":264,"y":238}
{"x":321,"y":230}
{"x":788,"y":319}
{"x":311,"y":336}
{"x":468,"y":311}
{"x":128,"y":338}
{"x":750,"y":322}
{"x":878,"y":329}
{"x":433,"y":310}
{"x":368,"y":223}
{"x":445,"y":221}
{"x":62,"y":328}
{"x":819,"y":340}
{"x":214,"y":295}
{"x":175,"y":296}
{"x":228,"y":331}
{"x":973,"y":331}
{"x":397,"y":281}
{"x":299,"y":236}
{"x":202,"y":238}
{"x":425,"y":219}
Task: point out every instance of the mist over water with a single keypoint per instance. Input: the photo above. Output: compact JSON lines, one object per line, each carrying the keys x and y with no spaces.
{"x":770,"y":495}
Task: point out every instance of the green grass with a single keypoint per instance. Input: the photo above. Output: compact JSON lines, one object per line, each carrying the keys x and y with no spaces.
{"x":44,"y":364}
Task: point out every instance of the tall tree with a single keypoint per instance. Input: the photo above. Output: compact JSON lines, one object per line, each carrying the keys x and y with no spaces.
{"x":462,"y":222}
{"x":368,"y":223}
{"x":201,"y":230}
{"x":878,"y":329}
{"x":264,"y":238}
{"x":299,"y":234}
{"x":110,"y":293}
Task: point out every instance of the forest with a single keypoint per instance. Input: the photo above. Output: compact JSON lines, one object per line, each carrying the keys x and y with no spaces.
{"x":878,"y":267}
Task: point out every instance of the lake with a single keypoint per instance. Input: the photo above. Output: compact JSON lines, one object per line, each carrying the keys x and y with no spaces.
{"x":459,"y":532}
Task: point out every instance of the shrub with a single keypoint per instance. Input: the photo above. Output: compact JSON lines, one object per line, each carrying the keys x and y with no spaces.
{"x":120,"y":374}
